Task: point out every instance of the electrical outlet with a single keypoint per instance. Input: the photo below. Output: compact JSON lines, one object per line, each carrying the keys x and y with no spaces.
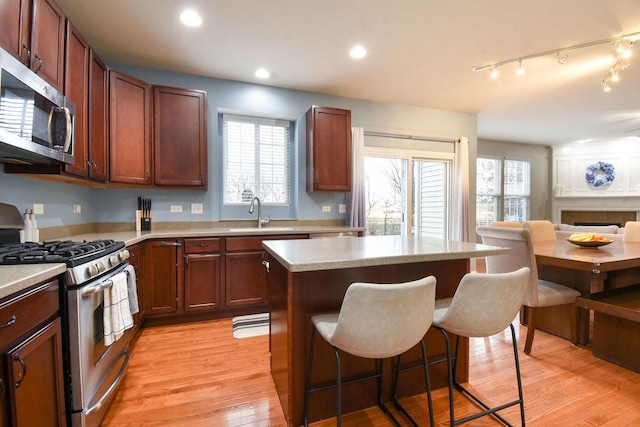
{"x":38,"y":208}
{"x":176,"y":208}
{"x":342,"y":208}
{"x":326,"y":208}
{"x":196,"y":208}
{"x":77,"y":209}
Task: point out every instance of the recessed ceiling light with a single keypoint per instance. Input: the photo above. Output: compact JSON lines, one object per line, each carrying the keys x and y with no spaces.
{"x":262,"y":73}
{"x":357,"y":52}
{"x":191,"y":18}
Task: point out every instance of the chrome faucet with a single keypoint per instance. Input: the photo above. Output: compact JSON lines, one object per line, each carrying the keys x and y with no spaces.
{"x":261,"y":221}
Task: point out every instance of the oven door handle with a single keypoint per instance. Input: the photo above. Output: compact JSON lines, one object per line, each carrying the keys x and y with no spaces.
{"x":114,"y":385}
{"x":95,"y":289}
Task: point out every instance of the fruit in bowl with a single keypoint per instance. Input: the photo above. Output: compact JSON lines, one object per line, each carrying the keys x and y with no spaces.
{"x":589,"y":239}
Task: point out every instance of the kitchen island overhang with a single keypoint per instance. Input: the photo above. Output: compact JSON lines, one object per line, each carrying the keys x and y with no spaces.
{"x":308,"y":277}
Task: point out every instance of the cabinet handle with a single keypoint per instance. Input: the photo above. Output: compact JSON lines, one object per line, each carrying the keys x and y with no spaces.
{"x":27,"y":60}
{"x":147,"y":175}
{"x":163,"y":243}
{"x":266,"y":265}
{"x":186,"y":262}
{"x":202,"y":245}
{"x":18,"y":359}
{"x":9,"y":323}
{"x":39,"y":64}
{"x":201,"y":179}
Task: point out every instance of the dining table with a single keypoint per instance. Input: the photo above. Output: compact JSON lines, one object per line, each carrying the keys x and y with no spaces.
{"x":591,"y":270}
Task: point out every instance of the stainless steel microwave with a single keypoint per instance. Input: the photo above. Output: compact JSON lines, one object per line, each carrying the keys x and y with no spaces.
{"x":36,"y":120}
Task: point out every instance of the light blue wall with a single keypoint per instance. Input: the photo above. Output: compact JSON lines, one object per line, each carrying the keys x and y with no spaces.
{"x":118,"y":205}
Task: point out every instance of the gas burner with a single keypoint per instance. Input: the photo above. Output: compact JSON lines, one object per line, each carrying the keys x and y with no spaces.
{"x":70,"y":252}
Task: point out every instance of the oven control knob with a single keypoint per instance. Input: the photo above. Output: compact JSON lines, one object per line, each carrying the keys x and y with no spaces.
{"x":101,"y":267}
{"x":124,"y":255}
{"x":113,"y":260}
{"x":92,"y":270}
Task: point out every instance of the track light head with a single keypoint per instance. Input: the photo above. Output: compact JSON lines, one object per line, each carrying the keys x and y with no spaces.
{"x":494,"y":73}
{"x":520,"y":70}
{"x":562,"y":58}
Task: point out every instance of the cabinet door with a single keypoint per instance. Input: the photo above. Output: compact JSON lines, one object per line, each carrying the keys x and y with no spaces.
{"x":98,"y":118}
{"x":328,"y":149}
{"x":202,"y":282}
{"x":15,"y":21}
{"x":36,"y":379}
{"x":130,"y":130}
{"x":246,"y":279}
{"x":160,"y":267}
{"x":47,"y":42}
{"x":180,"y":137}
{"x":76,"y":87}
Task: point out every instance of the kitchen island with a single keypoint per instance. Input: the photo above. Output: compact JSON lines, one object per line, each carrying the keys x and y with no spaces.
{"x":308,"y":277}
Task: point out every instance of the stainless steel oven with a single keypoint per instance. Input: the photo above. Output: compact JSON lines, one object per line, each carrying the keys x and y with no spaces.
{"x":96,"y":369}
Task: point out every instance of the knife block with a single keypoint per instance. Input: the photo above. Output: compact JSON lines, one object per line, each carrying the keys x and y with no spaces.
{"x":143,"y":223}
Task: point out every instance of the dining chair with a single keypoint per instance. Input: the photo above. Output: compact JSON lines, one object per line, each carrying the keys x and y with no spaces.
{"x":483,"y":305}
{"x":513,"y":224}
{"x":540,"y":293}
{"x":541,"y":230}
{"x":376,"y":321}
{"x":631,"y":231}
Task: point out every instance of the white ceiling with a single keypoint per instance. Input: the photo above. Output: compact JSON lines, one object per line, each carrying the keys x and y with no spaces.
{"x":420,"y":52}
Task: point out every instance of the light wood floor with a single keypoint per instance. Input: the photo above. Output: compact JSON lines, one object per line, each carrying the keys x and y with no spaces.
{"x":199,"y":375}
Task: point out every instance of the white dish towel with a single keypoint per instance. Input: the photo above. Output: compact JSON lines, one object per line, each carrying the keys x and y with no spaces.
{"x":132,"y":288}
{"x":117,"y":314}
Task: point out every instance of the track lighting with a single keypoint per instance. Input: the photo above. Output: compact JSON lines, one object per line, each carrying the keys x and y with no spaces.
{"x":623,"y":46}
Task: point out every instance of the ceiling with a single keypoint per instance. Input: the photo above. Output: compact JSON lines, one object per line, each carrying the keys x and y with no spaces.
{"x":420,"y":52}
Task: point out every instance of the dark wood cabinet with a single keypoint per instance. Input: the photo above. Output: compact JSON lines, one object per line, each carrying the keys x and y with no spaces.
{"x":130,"y":129}
{"x":245,"y":273}
{"x":98,"y":118}
{"x":162,"y":262}
{"x":76,"y":87}
{"x":328,"y":149}
{"x":180,"y":137}
{"x":33,"y":31}
{"x":202,"y":274}
{"x":31,"y":347}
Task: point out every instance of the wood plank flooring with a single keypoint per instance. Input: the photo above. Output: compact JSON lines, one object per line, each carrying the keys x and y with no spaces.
{"x":199,"y":375}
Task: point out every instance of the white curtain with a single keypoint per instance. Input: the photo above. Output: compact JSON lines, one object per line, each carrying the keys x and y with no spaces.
{"x":355,"y":199}
{"x":461,"y":201}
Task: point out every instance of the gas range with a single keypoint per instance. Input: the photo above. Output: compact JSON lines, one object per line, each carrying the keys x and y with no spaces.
{"x":84,"y":260}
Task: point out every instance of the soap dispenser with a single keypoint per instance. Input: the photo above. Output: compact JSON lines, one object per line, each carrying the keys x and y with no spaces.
{"x":28,"y":227}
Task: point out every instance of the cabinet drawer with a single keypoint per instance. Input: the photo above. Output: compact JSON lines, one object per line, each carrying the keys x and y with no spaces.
{"x":197,"y":246}
{"x":27,"y":310}
{"x":235,"y":244}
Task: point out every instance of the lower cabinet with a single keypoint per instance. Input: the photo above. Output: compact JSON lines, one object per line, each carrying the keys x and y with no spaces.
{"x":136,"y":259}
{"x":245,"y":275}
{"x":202,"y":274}
{"x":31,"y":376}
{"x":199,"y":278}
{"x":161,"y":276}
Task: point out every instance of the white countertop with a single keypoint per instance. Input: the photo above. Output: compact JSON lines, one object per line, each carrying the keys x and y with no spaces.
{"x":329,"y":254}
{"x":15,"y":278}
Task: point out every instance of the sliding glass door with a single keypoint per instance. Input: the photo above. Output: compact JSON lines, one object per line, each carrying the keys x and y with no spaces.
{"x":406,"y":194}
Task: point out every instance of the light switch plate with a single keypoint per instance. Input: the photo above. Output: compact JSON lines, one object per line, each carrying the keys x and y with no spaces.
{"x":326,"y":208}
{"x":196,"y":208}
{"x":176,"y":208}
{"x":38,"y":208}
{"x":342,"y":208}
{"x":77,"y":209}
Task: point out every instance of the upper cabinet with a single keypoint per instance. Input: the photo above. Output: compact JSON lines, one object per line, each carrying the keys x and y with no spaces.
{"x":76,"y":87}
{"x":180,"y":137}
{"x":130,"y":129}
{"x":328,"y":149}
{"x":98,"y":118}
{"x":33,"y":31}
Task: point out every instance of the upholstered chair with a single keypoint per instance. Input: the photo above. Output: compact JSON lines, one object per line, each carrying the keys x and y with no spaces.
{"x":513,"y":224}
{"x":541,"y":230}
{"x":483,"y":305}
{"x":631,"y":231}
{"x":540,"y":293}
{"x":376,"y":321}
